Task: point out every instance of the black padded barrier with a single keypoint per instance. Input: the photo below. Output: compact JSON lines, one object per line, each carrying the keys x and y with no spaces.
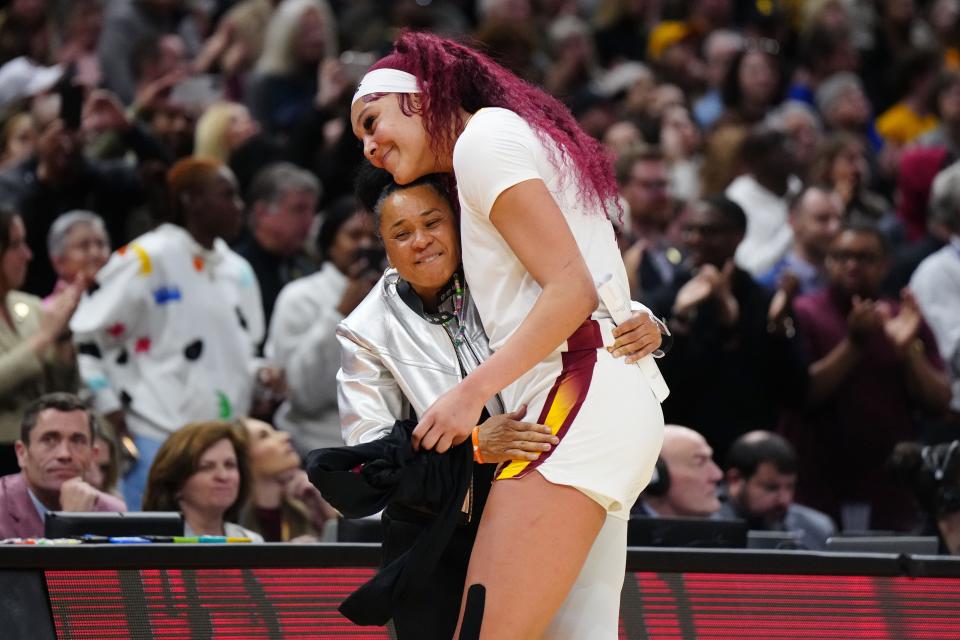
{"x":292,"y":591}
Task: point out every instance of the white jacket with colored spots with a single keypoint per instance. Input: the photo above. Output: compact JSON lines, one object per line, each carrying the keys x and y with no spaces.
{"x":169,"y":332}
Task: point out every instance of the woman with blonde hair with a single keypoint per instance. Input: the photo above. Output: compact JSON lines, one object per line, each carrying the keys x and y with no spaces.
{"x":18,"y":139}
{"x":104,"y":473}
{"x":202,"y":471}
{"x":285,"y":44}
{"x":222,"y":129}
{"x":300,"y":36}
{"x":283,"y":505}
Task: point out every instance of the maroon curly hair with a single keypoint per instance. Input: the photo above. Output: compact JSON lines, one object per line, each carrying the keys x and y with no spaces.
{"x":452,"y":76}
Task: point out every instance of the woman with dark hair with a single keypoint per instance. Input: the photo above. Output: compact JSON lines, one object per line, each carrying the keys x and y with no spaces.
{"x":534,"y":193}
{"x":168,"y":332}
{"x":753,"y":84}
{"x":202,"y":471}
{"x":36,"y":354}
{"x":302,"y":338}
{"x":842,"y":163}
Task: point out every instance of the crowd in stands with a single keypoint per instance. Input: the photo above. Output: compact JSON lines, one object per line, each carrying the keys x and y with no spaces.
{"x":179,"y":239}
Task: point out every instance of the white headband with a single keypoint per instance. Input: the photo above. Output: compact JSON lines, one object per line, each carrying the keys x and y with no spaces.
{"x":386,"y":81}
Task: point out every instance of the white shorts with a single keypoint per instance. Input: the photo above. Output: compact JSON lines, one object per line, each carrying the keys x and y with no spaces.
{"x":608,"y":420}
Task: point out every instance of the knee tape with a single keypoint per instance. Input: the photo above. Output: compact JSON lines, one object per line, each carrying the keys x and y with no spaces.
{"x":473,"y":612}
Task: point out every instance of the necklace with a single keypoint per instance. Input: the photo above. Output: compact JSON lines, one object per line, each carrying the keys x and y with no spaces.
{"x":457,"y":311}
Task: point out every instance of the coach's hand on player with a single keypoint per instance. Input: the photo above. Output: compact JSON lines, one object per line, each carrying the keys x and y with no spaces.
{"x":504,"y":437}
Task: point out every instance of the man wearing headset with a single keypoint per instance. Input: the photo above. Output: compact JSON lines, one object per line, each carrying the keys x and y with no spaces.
{"x":685,"y":480}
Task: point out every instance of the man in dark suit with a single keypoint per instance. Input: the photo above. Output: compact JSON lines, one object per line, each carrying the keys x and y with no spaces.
{"x":54,"y":451}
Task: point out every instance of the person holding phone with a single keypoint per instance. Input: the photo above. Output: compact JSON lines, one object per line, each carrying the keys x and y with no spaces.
{"x":302,"y":340}
{"x":60,"y":177}
{"x":71,"y":99}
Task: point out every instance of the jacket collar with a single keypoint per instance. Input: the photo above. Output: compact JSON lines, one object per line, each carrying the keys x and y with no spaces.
{"x":445,"y":307}
{"x":211,"y":256}
{"x":20,"y":506}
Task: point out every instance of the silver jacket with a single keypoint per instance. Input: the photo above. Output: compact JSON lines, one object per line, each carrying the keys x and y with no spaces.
{"x":394,"y":363}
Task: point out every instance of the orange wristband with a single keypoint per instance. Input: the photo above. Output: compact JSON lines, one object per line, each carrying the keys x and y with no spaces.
{"x":475,"y":437}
